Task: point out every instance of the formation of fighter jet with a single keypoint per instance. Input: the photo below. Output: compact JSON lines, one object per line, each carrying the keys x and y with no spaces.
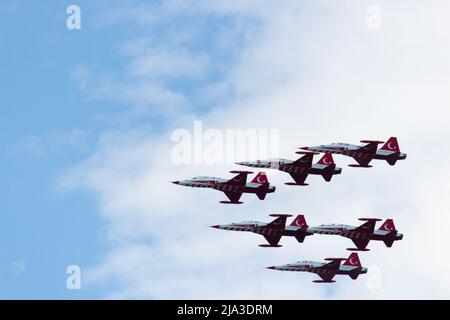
{"x":234,"y":187}
{"x":327,"y":270}
{"x":363,"y":155}
{"x":273,"y":231}
{"x":300,"y":168}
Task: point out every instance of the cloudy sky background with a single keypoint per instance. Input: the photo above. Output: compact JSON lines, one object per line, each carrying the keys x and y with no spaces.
{"x":87,"y":118}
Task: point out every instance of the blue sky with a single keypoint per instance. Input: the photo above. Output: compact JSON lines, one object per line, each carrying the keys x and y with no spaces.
{"x":42,"y":226}
{"x":86,"y":118}
{"x":50,"y":122}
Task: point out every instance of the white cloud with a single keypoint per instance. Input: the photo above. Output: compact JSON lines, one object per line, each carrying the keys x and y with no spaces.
{"x":316,"y":72}
{"x":155,"y":62}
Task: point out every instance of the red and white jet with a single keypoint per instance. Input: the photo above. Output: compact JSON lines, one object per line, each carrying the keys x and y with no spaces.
{"x":234,"y":187}
{"x":363,"y":234}
{"x":327,"y":270}
{"x":300,"y":168}
{"x":272,"y":231}
{"x":390,"y":151}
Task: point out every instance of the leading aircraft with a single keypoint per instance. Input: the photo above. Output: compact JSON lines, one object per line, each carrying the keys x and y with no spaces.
{"x":272,"y":231}
{"x":363,"y":234}
{"x":327,"y":270}
{"x":300,"y":168}
{"x":363,"y":155}
{"x":234,"y":187}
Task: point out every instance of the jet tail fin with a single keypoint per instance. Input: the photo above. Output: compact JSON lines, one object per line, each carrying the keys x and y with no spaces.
{"x":352,"y":260}
{"x":388,"y":225}
{"x":299,"y":221}
{"x":391,"y":145}
{"x":327,"y":159}
{"x":260,"y":178}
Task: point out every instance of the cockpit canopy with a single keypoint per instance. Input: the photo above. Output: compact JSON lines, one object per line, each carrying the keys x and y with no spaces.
{"x":334,"y":225}
{"x":248,"y":222}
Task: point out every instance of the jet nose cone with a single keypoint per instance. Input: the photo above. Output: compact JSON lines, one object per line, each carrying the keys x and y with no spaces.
{"x":242,"y":163}
{"x":271,"y":267}
{"x":216,"y":226}
{"x":304,"y":148}
{"x":176,"y":182}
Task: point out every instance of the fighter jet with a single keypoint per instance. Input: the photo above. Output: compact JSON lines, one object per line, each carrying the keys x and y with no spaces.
{"x":235,"y":187}
{"x":272,"y":231}
{"x":300,"y":168}
{"x":390,"y":151}
{"x":327,"y":270}
{"x":363,"y":234}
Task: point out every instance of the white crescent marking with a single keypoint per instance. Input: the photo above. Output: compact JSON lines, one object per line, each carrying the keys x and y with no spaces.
{"x":298,"y":223}
{"x":325,"y":160}
{"x":386,"y":227}
{"x":352,"y":262}
{"x":258,"y":179}
{"x":390,"y":147}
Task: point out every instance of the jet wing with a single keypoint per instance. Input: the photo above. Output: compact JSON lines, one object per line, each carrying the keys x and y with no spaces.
{"x":233,"y":196}
{"x":333,"y":265}
{"x":306,"y":160}
{"x":239,"y":179}
{"x":298,"y":178}
{"x":361,"y":244}
{"x":326,"y":277}
{"x":278,"y":223}
{"x":329,"y":270}
{"x":370,"y":146}
{"x":367,"y":227}
{"x":362,"y":161}
{"x":272,"y":239}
